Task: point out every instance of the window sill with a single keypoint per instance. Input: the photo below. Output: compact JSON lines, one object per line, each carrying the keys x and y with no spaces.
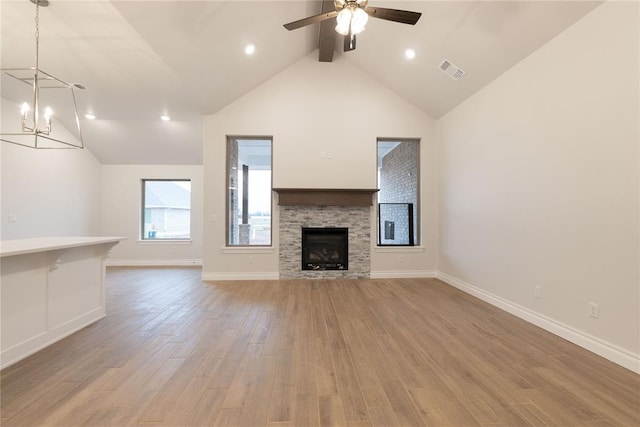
{"x":165,"y":242}
{"x":248,"y":250}
{"x":399,"y":249}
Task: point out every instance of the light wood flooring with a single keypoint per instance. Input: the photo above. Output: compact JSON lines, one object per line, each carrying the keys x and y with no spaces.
{"x":176,"y":351}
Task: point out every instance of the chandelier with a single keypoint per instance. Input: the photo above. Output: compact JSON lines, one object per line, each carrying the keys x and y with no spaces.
{"x":42,"y":102}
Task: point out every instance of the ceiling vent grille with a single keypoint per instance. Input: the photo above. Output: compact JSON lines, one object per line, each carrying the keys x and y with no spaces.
{"x":452,"y":70}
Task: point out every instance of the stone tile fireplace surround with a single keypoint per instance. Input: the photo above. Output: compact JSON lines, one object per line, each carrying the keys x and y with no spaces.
{"x":325,"y":208}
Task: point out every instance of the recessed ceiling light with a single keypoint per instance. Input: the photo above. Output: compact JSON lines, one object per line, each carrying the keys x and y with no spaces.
{"x":165,"y":118}
{"x":410,"y":53}
{"x":89,"y":116}
{"x":250,"y":49}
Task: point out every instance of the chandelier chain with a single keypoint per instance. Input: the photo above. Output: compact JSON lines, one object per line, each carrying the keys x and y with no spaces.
{"x":37,"y":30}
{"x":37,"y":21}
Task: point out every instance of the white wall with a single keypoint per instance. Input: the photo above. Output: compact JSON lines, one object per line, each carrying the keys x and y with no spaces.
{"x":50,"y":192}
{"x":121,"y":213}
{"x":309,"y":109}
{"x":540,"y":186}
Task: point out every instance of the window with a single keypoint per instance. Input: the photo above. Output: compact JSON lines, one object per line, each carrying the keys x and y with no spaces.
{"x":398,"y":198}
{"x":249,"y":191}
{"x":166,"y":209}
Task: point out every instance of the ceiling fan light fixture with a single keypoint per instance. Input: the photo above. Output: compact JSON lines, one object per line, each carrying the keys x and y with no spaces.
{"x":351,"y":20}
{"x":359,"y":20}
{"x":343,"y":21}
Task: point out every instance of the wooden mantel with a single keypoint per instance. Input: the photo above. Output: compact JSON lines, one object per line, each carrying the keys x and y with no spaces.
{"x":325,"y":196}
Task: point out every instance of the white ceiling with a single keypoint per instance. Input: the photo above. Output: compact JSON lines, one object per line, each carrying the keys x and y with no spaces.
{"x":142,"y":59}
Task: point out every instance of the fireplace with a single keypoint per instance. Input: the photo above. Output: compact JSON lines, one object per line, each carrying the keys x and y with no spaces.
{"x":293,"y":218}
{"x":325,"y":248}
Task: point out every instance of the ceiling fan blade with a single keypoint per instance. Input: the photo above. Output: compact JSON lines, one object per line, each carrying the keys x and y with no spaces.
{"x":395,"y":15}
{"x":310,"y":20}
{"x":349,"y":42}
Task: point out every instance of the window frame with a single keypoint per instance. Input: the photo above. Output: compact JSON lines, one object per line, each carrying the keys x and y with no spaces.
{"x":417,"y":211}
{"x":228,"y":244}
{"x":141,"y":235}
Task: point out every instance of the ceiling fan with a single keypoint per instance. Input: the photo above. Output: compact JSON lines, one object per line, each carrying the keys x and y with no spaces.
{"x":352,"y":16}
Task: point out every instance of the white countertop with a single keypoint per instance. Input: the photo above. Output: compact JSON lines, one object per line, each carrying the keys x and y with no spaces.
{"x":43,"y":244}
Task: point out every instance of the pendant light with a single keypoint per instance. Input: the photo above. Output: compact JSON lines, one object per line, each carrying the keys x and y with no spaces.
{"x":44,"y":103}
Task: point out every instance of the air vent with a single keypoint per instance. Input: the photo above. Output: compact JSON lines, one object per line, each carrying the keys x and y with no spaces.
{"x":451,"y":70}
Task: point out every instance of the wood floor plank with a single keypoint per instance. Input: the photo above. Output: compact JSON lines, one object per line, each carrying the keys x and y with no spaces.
{"x":36,"y":409}
{"x":330,"y":405}
{"x":331,"y":411}
{"x":255,"y":401}
{"x":383,"y":416}
{"x":78,"y":410}
{"x":189,"y":406}
{"x":176,"y":351}
{"x":305,"y":409}
{"x":353,"y":399}
{"x":401,"y":404}
{"x":533,"y":414}
{"x":438,"y":406}
{"x":245,"y":378}
{"x":359,"y":342}
{"x":324,"y":369}
{"x":205,"y":411}
{"x":230,"y":417}
{"x":282,"y":403}
{"x":162,"y":403}
{"x":16,"y":401}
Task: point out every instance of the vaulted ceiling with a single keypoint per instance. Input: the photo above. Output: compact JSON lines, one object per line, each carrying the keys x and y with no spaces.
{"x":186,"y":59}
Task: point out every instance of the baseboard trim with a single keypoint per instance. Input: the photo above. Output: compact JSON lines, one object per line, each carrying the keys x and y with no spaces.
{"x":609,"y":351}
{"x":410,"y":274}
{"x":153,"y":262}
{"x":239,"y":276}
{"x":426,"y":274}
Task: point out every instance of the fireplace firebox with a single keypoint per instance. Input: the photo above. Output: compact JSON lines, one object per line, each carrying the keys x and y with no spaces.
{"x":325,"y":248}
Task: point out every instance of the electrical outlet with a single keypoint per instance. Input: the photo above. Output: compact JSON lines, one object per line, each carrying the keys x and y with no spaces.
{"x":537,"y":291}
{"x":12,"y":217}
{"x":593,"y":310}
